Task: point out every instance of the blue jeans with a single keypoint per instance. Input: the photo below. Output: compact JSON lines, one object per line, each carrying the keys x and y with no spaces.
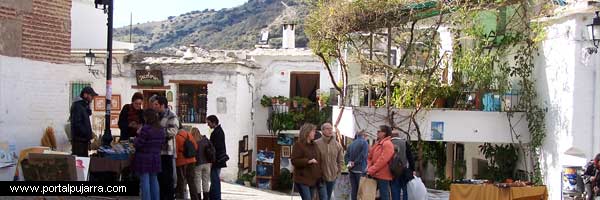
{"x":306,"y":192}
{"x":215,"y":184}
{"x":384,"y":189}
{"x":399,"y":184}
{"x":354,"y":181}
{"x":149,"y":186}
{"x":329,"y":186}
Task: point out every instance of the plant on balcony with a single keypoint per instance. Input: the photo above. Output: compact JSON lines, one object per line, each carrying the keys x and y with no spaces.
{"x":265,"y":101}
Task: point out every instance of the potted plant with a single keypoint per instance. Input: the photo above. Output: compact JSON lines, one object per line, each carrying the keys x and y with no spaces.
{"x":266,"y":101}
{"x":247,"y":178}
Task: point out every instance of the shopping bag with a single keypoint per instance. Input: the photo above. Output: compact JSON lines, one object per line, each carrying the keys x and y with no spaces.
{"x":416,"y":189}
{"x":367,"y":189}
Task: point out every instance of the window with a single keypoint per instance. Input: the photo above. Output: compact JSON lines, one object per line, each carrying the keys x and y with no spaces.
{"x":192,"y":103}
{"x":76,"y":88}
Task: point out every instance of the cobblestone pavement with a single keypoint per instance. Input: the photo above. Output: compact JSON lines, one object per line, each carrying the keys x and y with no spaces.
{"x":230,"y":192}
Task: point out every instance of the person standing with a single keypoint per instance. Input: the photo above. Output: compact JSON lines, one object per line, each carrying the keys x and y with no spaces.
{"x":185,"y":165}
{"x":130,"y":118}
{"x":378,"y":161}
{"x":168,"y":121}
{"x":306,"y":161}
{"x":356,"y":157}
{"x":147,"y":162}
{"x":402,"y":150}
{"x":332,"y":156}
{"x":217,"y":138}
{"x":205,"y":155}
{"x":81,"y":128}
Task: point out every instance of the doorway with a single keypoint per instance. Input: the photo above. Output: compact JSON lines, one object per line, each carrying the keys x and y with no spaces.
{"x":150,"y":93}
{"x":304,"y":84}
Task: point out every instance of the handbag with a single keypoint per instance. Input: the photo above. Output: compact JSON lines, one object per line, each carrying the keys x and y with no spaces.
{"x":367,"y":188}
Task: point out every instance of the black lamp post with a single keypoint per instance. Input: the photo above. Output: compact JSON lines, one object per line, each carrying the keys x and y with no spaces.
{"x":594,"y":32}
{"x":107,"y":6}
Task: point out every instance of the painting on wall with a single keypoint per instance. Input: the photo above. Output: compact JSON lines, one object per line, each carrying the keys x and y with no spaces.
{"x":114,"y":120}
{"x":437,"y":130}
{"x":100,"y":103}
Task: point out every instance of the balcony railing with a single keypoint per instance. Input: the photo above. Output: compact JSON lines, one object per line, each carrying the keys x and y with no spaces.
{"x":358,"y":95}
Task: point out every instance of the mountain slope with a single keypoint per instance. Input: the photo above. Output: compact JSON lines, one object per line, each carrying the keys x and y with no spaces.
{"x":233,"y":28}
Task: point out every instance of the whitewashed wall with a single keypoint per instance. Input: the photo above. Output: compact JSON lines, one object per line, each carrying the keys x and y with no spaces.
{"x":568,"y":84}
{"x":459,"y":126}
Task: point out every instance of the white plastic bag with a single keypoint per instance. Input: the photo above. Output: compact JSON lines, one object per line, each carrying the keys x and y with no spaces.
{"x":416,"y":189}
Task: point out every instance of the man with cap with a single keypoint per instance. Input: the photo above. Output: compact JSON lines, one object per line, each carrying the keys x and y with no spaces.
{"x":81,"y":128}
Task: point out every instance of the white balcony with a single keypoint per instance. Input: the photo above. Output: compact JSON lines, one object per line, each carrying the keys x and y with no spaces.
{"x":454,"y":125}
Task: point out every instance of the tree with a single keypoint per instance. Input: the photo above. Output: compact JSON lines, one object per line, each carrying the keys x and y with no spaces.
{"x":342,"y":33}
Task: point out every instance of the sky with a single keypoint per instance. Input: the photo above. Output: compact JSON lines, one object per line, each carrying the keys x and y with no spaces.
{"x":158,"y":10}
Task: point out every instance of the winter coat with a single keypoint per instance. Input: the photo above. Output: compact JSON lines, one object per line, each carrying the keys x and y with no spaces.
{"x":170,"y":122}
{"x":332,"y":155}
{"x":378,"y":163}
{"x":124,"y":120}
{"x":304,"y":173}
{"x":217,"y":138}
{"x":180,"y":138}
{"x":81,"y":127}
{"x":406,"y":157}
{"x":201,"y":157}
{"x":357,"y":153}
{"x":147,"y":150}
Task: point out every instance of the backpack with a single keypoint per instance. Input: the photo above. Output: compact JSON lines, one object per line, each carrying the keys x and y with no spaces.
{"x":397,"y":167}
{"x":189,"y":151}
{"x":210,"y":152}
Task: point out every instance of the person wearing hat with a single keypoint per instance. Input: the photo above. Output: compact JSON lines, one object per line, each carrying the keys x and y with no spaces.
{"x":81,"y":128}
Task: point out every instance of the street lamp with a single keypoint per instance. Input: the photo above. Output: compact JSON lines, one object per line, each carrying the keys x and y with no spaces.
{"x":107,"y":6}
{"x":594,"y":33}
{"x":90,"y":59}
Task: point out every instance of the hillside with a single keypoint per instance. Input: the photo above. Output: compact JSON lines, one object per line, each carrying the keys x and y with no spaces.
{"x":233,"y":28}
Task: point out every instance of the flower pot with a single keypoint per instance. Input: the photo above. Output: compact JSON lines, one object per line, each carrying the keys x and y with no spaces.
{"x":247,"y":183}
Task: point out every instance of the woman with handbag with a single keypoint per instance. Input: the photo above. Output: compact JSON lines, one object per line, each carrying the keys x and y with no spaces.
{"x":378,"y":161}
{"x":306,"y":162}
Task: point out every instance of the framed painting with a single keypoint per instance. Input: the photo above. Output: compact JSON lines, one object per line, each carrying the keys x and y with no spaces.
{"x":115,"y":102}
{"x":99,"y":103}
{"x":246,"y":164}
{"x":114,"y":120}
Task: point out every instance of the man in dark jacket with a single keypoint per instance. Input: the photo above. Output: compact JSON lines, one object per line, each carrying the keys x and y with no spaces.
{"x":217,"y":138}
{"x":81,"y":128}
{"x":356,"y":159}
{"x":399,"y":183}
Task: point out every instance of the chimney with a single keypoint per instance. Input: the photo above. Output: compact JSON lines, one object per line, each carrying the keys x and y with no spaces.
{"x":289,"y":36}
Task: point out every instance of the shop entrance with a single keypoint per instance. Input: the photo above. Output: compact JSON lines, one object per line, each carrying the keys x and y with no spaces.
{"x":150,"y":93}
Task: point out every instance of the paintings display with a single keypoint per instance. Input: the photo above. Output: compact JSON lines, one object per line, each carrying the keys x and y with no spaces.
{"x":437,"y":130}
{"x":100,"y":103}
{"x":265,"y":156}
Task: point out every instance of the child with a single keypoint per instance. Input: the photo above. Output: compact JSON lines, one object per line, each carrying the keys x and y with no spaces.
{"x":146,"y":162}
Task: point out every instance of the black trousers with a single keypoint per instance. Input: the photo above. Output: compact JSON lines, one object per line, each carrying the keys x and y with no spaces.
{"x":80,"y":148}
{"x":166,"y":181}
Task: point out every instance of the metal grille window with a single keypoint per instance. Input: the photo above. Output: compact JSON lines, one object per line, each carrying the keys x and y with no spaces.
{"x":192,"y":103}
{"x":76,"y":88}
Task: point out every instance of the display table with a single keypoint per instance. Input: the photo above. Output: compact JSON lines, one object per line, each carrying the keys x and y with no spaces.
{"x":491,"y":192}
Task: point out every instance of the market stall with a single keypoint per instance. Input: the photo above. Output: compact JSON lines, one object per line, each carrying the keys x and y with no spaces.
{"x":496,"y":192}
